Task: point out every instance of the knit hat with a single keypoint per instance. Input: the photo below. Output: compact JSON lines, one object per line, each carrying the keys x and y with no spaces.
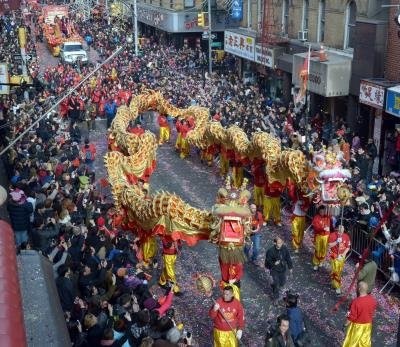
{"x":18,"y":196}
{"x":173,"y":335}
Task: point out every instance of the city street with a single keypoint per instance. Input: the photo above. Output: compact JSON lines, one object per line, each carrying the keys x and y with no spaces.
{"x":197,"y":185}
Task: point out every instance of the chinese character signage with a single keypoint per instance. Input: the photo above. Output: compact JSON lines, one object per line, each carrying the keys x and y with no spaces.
{"x":393,"y":101}
{"x":237,"y":9}
{"x":4,"y":79}
{"x":240,"y":45}
{"x":371,"y":94}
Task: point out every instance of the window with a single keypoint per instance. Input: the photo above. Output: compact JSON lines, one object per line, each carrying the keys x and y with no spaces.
{"x":285,"y":17}
{"x":306,"y":5}
{"x":321,"y":21}
{"x":349,"y":32}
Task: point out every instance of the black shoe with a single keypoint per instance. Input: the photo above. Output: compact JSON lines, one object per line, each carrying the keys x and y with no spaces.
{"x":178,"y":293}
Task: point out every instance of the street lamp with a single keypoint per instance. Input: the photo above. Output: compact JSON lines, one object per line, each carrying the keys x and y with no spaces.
{"x":133,"y":9}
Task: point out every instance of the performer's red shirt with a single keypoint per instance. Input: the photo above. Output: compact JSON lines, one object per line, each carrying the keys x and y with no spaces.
{"x":319,"y":224}
{"x":137,"y":131}
{"x":231,"y":271}
{"x":233,"y":313}
{"x":183,"y":129}
{"x":338,"y":249}
{"x":362,"y":309}
{"x":257,"y":220}
{"x":169,"y":247}
{"x":273,"y":189}
{"x":259,"y":175}
{"x":162,"y":121}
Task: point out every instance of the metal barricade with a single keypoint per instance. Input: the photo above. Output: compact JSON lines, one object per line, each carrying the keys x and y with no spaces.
{"x":361,"y":239}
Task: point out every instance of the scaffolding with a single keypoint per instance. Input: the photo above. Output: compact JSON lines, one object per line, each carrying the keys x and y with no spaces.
{"x":82,"y":8}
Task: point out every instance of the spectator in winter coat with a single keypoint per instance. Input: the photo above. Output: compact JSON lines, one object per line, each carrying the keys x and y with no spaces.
{"x":65,"y":288}
{"x":20,"y":211}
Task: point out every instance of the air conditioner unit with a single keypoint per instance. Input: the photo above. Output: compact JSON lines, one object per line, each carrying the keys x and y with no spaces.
{"x":302,"y":35}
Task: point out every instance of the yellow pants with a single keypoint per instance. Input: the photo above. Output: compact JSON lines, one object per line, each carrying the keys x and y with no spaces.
{"x":223,"y":165}
{"x":168,"y":273}
{"x":237,"y":176}
{"x":149,"y":249}
{"x":358,"y":335}
{"x":258,"y":195}
{"x":225,"y":338}
{"x":178,"y":142}
{"x":336,"y":272}
{"x":164,"y":135}
{"x":272,"y":209}
{"x":185,"y":149}
{"x":321,"y":248}
{"x":298,"y":227}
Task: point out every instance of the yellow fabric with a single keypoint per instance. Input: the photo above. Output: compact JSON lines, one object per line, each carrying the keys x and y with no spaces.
{"x":258,"y":195}
{"x":237,"y":176}
{"x":225,"y":338}
{"x":178,"y":142}
{"x":336,"y":272}
{"x":298,"y":227}
{"x":272,"y":209}
{"x":358,"y":335}
{"x":321,"y":248}
{"x":185,"y":149}
{"x":149,"y":249}
{"x":164,"y":135}
{"x":168,"y":273}
{"x":223,"y":165}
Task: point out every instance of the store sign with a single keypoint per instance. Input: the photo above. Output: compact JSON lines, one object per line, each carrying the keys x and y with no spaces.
{"x":266,"y":55}
{"x":152,"y":17}
{"x":371,"y":94}
{"x":393,"y":101}
{"x":329,"y":78}
{"x":4,"y":79}
{"x":240,"y":45}
{"x":237,"y":9}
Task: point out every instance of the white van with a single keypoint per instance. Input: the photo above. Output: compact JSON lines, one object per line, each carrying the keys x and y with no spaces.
{"x":72,"y":51}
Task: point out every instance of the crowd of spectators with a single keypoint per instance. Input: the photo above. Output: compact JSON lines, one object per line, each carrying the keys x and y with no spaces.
{"x":56,"y":205}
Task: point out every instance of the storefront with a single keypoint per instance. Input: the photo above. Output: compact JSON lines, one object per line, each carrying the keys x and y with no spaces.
{"x":328,"y":82}
{"x":371,"y":114}
{"x":178,"y":27}
{"x":239,"y":43}
{"x":390,"y":121}
{"x":271,"y":79}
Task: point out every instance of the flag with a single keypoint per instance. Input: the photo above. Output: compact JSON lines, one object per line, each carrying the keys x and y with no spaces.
{"x":304,"y":72}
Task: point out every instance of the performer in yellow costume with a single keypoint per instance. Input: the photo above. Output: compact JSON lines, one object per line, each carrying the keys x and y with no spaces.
{"x":228,"y":318}
{"x":359,"y":319}
{"x":258,"y":171}
{"x":272,"y":201}
{"x":170,"y":252}
{"x":322,"y":225}
{"x":149,"y":250}
{"x":165,"y":132}
{"x":339,"y":246}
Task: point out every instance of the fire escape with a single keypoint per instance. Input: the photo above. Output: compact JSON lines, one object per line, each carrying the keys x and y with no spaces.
{"x":270,"y":29}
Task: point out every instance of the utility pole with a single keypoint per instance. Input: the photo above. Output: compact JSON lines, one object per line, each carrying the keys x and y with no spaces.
{"x":135,"y":27}
{"x":209,"y":39}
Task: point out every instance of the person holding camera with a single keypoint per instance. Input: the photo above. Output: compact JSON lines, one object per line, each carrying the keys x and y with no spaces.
{"x":339,"y":246}
{"x":277,"y":261}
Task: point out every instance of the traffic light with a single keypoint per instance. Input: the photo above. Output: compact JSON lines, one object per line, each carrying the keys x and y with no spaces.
{"x":201,"y":19}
